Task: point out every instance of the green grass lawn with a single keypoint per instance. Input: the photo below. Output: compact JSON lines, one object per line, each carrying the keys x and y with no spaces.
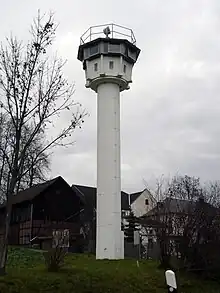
{"x":82,"y":273}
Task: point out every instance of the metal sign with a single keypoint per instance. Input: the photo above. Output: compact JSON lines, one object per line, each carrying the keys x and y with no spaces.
{"x":136,"y":238}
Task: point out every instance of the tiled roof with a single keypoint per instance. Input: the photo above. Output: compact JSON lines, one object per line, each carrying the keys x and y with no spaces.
{"x":134,"y":196}
{"x":87,"y":195}
{"x":175,"y":206}
{"x":32,"y":192}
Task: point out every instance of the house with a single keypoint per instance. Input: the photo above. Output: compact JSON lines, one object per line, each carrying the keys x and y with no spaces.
{"x":41,"y":212}
{"x":87,"y":197}
{"x":171,"y":218}
{"x":142,"y":202}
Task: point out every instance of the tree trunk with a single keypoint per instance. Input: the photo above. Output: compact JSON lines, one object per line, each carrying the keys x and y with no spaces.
{"x":31,"y":174}
{"x":4,"y":248}
{"x":2,"y":170}
{"x":18,"y":186}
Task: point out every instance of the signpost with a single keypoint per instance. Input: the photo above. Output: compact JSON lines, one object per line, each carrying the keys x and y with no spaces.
{"x":171,"y":281}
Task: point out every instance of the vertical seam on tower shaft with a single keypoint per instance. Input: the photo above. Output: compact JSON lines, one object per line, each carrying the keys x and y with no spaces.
{"x":116,"y":179}
{"x":115,"y":154}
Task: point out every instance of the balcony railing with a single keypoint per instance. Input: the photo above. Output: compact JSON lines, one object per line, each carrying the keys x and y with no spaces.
{"x":115,"y":32}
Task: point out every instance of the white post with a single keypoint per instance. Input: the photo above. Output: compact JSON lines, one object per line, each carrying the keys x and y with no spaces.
{"x":171,"y":281}
{"x":108,"y":239}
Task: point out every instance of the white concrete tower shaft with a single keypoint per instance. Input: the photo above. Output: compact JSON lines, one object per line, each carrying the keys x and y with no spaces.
{"x":108,"y":64}
{"x":108,"y":173}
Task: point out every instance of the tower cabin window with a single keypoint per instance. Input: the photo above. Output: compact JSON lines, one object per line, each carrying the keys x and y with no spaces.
{"x":96,"y":67}
{"x":105,"y":47}
{"x":123,"y":49}
{"x":124,"y":68}
{"x":111,"y":64}
{"x":86,"y":53}
{"x":132,"y":54}
{"x":146,"y":202}
{"x":114,"y":48}
{"x":94,"y":50}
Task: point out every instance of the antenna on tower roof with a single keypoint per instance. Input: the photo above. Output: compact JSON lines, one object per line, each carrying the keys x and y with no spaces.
{"x":107,"y":31}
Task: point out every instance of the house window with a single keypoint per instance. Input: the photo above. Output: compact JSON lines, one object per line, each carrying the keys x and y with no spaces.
{"x":24,"y":232}
{"x":124,"y":68}
{"x":111,"y":64}
{"x":60,"y":238}
{"x":146,"y":202}
{"x":96,"y":67}
{"x":127,"y":213}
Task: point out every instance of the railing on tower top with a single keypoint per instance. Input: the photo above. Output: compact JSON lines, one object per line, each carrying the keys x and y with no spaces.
{"x":116,"y":31}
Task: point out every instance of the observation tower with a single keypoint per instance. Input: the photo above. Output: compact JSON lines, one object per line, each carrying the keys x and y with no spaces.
{"x":108,"y":53}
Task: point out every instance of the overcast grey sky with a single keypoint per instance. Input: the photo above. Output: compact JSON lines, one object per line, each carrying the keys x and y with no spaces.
{"x":170,"y":116}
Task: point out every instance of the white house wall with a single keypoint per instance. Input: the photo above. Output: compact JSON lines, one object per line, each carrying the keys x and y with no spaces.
{"x":139,"y":207}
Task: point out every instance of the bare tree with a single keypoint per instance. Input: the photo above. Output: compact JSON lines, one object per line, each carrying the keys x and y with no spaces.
{"x":33,"y":94}
{"x":36,"y":169}
{"x":172,"y":212}
{"x":188,"y":223}
{"x":6,"y":141}
{"x":212,"y":193}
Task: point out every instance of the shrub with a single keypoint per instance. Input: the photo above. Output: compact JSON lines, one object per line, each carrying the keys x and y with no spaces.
{"x":54,"y":258}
